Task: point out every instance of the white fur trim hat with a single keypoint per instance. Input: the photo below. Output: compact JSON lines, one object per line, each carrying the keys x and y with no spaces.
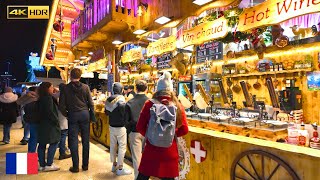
{"x":165,"y":82}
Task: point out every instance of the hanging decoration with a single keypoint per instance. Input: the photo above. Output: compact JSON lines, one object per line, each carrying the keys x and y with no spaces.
{"x":210,"y":17}
{"x":232,"y":15}
{"x":256,"y":38}
{"x":52,"y":51}
{"x":282,"y":41}
{"x":59,"y":25}
{"x":234,"y":37}
{"x":49,"y":56}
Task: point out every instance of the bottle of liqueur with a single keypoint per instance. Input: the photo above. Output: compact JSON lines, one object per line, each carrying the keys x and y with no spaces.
{"x":303,"y":137}
{"x":315,"y":140}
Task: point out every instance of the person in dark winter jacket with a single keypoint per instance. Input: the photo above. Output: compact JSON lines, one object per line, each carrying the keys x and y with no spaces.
{"x":133,"y":109}
{"x":31,"y":116}
{"x":25,"y":125}
{"x":63,"y":126}
{"x":8,"y":112}
{"x":115,"y":108}
{"x":49,"y":129}
{"x":75,"y":103}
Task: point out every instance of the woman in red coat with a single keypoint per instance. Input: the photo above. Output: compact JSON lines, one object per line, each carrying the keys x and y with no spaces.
{"x":157,"y":161}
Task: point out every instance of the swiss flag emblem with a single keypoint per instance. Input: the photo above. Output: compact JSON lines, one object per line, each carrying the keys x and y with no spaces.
{"x":197,"y":151}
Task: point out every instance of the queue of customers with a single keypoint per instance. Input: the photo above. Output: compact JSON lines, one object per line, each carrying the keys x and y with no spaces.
{"x":67,"y":112}
{"x":131,"y":119}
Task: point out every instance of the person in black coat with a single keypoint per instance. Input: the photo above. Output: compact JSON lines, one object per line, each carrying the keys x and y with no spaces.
{"x":31,"y":116}
{"x":8,"y":112}
{"x":132,"y":113}
{"x":49,"y":128}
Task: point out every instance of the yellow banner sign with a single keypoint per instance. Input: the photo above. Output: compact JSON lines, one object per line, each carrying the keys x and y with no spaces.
{"x":161,"y":46}
{"x":131,"y":55}
{"x":102,"y":63}
{"x":204,"y":32}
{"x":275,"y":11}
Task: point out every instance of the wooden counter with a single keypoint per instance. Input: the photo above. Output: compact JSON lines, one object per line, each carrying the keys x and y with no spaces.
{"x":209,"y":155}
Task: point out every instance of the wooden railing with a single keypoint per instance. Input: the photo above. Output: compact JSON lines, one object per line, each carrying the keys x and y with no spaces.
{"x":97,"y":10}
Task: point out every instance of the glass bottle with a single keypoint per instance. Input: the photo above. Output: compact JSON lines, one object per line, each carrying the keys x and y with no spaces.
{"x":303,"y":138}
{"x":315,"y":140}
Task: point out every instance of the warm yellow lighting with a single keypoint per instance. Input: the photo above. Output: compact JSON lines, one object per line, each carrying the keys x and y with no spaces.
{"x":69,"y":9}
{"x":63,"y":51}
{"x":60,"y":59}
{"x":295,"y":51}
{"x":140,"y":11}
{"x":66,"y":21}
{"x":63,"y":33}
{"x":49,"y":29}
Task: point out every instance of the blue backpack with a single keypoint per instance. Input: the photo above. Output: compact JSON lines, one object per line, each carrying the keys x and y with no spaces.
{"x":162,"y":124}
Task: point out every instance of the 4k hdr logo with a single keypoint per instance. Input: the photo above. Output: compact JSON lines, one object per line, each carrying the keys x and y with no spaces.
{"x":27,"y":12}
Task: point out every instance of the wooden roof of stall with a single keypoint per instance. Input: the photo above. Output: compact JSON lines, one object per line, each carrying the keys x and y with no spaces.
{"x":117,"y":25}
{"x":70,"y":10}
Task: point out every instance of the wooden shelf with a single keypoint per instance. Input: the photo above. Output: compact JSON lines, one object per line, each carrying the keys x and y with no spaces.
{"x":269,"y":73}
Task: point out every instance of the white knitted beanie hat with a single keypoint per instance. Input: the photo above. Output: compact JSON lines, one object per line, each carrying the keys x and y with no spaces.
{"x":165,"y":82}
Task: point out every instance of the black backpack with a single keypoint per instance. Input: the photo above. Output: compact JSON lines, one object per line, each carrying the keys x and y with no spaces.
{"x":32,"y":112}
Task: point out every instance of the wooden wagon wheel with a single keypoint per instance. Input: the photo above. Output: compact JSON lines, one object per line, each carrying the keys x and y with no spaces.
{"x":97,"y":128}
{"x":260,"y":165}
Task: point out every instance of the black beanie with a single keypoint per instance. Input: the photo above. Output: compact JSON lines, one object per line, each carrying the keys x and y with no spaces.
{"x":117,"y":88}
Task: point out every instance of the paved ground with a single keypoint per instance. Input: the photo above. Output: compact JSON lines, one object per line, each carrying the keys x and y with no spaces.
{"x":99,"y":166}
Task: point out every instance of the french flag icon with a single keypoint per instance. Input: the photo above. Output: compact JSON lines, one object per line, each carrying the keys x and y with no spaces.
{"x":21,"y":163}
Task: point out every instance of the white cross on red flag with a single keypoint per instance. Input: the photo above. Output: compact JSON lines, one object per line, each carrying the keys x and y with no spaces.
{"x":197,"y":151}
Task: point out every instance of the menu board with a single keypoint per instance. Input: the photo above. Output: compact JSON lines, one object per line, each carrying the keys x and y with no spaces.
{"x":163,"y":61}
{"x":210,"y":51}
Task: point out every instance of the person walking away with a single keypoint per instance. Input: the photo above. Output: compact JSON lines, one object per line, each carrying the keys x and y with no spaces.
{"x":8,"y":112}
{"x":75,"y":103}
{"x":63,"y":122}
{"x":26,"y":125}
{"x":49,"y":129}
{"x":115,"y":109}
{"x":161,"y":162}
{"x":133,"y":109}
{"x":31,"y":116}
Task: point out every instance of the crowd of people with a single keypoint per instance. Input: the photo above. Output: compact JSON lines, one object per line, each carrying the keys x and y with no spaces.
{"x":51,"y":115}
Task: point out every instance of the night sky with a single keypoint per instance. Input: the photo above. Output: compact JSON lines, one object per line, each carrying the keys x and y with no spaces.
{"x":20,"y":37}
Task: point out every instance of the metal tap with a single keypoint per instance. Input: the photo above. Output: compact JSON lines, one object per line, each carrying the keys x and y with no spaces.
{"x":261,"y":107}
{"x":234,"y":106}
{"x":211,"y":104}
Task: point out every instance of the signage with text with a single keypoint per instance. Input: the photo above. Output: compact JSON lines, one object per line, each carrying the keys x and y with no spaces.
{"x":132,"y":55}
{"x":102,"y":63}
{"x":161,"y":46}
{"x":275,"y":11}
{"x":164,"y":60}
{"x":204,"y":32}
{"x":28,"y":12}
{"x":209,"y":51}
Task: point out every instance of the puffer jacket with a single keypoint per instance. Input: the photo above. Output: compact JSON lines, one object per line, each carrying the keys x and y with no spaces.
{"x":8,"y":108}
{"x":115,"y":109}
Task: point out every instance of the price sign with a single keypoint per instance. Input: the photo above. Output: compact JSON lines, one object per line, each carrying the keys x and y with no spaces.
{"x":163,"y":61}
{"x":209,"y":51}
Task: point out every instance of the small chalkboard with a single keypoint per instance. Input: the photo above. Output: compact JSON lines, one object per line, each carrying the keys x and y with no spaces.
{"x":210,"y":51}
{"x":163,"y":61}
{"x":110,"y":82}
